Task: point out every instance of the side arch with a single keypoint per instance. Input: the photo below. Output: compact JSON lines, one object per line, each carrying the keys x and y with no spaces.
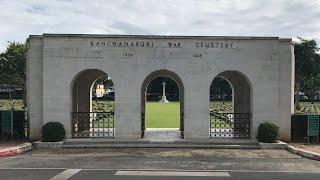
{"x":241,"y":87}
{"x":239,"y":121}
{"x":86,"y":122}
{"x":80,"y":89}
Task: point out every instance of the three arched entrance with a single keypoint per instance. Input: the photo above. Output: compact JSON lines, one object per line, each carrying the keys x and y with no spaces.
{"x":90,"y":120}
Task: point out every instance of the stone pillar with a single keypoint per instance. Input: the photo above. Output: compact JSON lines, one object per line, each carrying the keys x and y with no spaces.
{"x":286,"y":88}
{"x":35,"y":86}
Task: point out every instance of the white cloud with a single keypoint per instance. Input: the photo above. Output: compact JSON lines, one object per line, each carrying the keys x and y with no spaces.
{"x":284,"y":18}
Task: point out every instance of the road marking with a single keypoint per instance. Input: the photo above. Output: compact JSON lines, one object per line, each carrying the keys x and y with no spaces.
{"x":171,"y":173}
{"x":66,"y":174}
{"x":184,"y":170}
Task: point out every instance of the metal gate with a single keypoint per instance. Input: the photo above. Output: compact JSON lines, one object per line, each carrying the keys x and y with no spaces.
{"x":93,"y":124}
{"x":230,"y":125}
{"x":182,"y":125}
{"x":143,"y":125}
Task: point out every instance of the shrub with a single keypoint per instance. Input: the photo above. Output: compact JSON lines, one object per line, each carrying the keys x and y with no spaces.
{"x":267,"y":133}
{"x":53,"y":132}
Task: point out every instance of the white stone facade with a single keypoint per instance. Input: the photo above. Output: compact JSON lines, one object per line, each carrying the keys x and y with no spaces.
{"x":54,"y":60}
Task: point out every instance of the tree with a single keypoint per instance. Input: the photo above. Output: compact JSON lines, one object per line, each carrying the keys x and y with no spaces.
{"x":220,"y":87}
{"x":13,"y":65}
{"x":311,"y":86}
{"x":307,"y":66}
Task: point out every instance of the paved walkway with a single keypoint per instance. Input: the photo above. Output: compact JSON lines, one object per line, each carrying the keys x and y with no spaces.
{"x":309,"y":147}
{"x":155,"y":162}
{"x":158,"y":163}
{"x":162,"y":134}
{"x":162,"y":158}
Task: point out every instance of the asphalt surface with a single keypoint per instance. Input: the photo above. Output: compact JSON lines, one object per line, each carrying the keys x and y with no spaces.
{"x":40,"y":174}
{"x":152,"y":163}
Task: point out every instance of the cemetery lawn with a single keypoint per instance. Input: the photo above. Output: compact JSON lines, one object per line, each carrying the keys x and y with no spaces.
{"x":162,"y":115}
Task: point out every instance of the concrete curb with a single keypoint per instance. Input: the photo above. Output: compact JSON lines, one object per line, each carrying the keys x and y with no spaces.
{"x":277,"y":145}
{"x":304,"y":153}
{"x":53,"y":145}
{"x":12,"y":151}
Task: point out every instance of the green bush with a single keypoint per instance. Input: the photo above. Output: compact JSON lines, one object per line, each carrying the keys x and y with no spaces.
{"x":53,"y":132}
{"x":267,"y":133}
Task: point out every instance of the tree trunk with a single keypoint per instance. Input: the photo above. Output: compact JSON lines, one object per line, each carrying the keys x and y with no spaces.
{"x":297,"y":96}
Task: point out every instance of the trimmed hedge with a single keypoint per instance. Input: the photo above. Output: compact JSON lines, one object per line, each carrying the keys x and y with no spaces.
{"x":268,"y":133}
{"x":53,"y":132}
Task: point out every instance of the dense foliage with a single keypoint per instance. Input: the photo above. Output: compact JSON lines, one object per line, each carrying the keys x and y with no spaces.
{"x":267,"y":133}
{"x":220,"y":89}
{"x":13,"y":64}
{"x":53,"y":132}
{"x":13,"y":67}
{"x":307,"y":67}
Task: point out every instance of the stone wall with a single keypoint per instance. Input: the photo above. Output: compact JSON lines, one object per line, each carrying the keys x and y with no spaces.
{"x":55,"y":60}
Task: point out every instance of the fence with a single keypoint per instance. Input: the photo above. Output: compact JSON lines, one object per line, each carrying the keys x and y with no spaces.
{"x":19,"y":125}
{"x":230,"y":125}
{"x":299,"y":127}
{"x":93,"y":124}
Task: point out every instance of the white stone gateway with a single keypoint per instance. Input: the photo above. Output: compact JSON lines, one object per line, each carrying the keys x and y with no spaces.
{"x":62,"y":67}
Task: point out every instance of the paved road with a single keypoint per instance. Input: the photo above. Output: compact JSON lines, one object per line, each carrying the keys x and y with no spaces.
{"x":156,"y":164}
{"x":85,"y":174}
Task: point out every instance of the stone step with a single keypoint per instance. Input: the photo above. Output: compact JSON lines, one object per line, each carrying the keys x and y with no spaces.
{"x":102,"y":143}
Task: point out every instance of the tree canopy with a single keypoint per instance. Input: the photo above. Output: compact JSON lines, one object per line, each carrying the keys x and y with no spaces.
{"x":13,"y":64}
{"x":307,"y":67}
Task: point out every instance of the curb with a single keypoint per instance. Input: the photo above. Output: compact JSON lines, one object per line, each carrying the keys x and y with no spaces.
{"x":53,"y":145}
{"x":12,"y":151}
{"x":277,"y":145}
{"x":304,"y":153}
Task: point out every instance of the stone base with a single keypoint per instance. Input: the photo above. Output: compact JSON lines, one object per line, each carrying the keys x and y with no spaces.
{"x":145,"y":143}
{"x":40,"y":144}
{"x":277,"y":145}
{"x":164,"y":100}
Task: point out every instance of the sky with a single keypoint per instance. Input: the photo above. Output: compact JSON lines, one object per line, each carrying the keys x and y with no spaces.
{"x":280,"y":18}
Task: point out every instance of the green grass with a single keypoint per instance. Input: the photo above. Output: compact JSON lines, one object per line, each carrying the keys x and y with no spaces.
{"x":308,"y":108}
{"x":5,"y":104}
{"x":102,"y":106}
{"x":221,"y":107}
{"x":162,"y":115}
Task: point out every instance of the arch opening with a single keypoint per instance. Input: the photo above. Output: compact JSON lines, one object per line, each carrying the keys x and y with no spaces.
{"x":162,"y":104}
{"x":230,"y":106}
{"x":92,"y":105}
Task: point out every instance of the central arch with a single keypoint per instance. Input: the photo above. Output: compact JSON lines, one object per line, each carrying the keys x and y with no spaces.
{"x":148,"y":79}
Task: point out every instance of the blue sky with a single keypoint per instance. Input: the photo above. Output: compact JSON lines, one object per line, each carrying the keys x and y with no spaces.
{"x":283,"y":18}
